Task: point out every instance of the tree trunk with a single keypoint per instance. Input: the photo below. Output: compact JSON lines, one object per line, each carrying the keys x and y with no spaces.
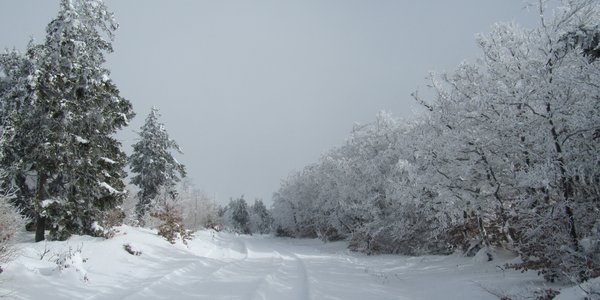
{"x":564,"y":182}
{"x":40,"y":228}
{"x":40,"y":220}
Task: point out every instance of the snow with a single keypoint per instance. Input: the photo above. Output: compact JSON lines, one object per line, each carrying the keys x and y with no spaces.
{"x":586,"y":289}
{"x":48,"y":202}
{"x":110,"y":189}
{"x":226,"y":266}
{"x":81,"y":140}
{"x":124,"y":116}
{"x":108,"y":160}
{"x":97,"y":227}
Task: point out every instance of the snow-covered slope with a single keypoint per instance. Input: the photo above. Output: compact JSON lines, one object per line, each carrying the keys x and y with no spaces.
{"x":226,"y":266}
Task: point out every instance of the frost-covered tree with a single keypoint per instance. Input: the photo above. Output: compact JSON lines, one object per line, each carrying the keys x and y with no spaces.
{"x":260,"y":218}
{"x":522,"y":124}
{"x":199,"y":210}
{"x":236,"y":216}
{"x":521,"y":128}
{"x":154,"y":166}
{"x":60,"y":151}
{"x":505,"y":156}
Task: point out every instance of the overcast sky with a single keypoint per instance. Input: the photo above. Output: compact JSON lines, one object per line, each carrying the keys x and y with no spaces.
{"x":253,"y":90}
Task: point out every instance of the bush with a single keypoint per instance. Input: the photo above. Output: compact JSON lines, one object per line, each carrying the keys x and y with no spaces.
{"x":172,"y":226}
{"x":111,"y":219}
{"x":11,"y":222}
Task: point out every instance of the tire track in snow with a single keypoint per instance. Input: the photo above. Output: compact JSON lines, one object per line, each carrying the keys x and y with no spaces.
{"x":194,"y":268}
{"x":250,"y":268}
{"x":289,"y":280}
{"x":142,"y":291}
{"x":305,"y":284}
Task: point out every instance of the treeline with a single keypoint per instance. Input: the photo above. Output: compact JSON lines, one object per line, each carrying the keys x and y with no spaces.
{"x":185,"y":209}
{"x":506,"y":155}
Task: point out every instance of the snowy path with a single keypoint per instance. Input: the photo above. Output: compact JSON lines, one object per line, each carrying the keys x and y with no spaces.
{"x":226,"y":266}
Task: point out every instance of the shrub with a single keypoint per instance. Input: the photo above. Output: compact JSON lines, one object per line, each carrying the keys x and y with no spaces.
{"x":11,"y":222}
{"x":172,"y":226}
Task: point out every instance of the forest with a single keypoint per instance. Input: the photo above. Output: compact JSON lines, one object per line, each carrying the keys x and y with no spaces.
{"x":504,"y":155}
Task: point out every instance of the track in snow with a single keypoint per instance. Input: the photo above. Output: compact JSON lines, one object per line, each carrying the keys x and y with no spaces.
{"x":256,"y":268}
{"x":227,"y":266}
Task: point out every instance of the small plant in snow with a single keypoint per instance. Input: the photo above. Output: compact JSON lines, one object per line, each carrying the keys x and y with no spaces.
{"x":71,"y":258}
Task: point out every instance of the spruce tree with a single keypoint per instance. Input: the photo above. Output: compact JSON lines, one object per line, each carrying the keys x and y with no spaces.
{"x":260,"y":218}
{"x":60,"y":149}
{"x":155,"y":167}
{"x":240,"y":218}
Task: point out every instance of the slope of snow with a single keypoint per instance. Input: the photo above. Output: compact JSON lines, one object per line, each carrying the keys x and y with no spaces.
{"x":226,"y":266}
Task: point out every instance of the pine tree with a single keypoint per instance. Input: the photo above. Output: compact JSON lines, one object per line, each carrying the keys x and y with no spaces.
{"x":260,"y":218}
{"x":60,"y":150}
{"x":153,"y":164}
{"x":238,"y":215}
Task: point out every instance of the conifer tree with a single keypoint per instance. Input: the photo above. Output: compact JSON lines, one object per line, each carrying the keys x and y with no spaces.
{"x":155,"y":167}
{"x":240,"y":217}
{"x":60,"y":151}
{"x":260,"y":218}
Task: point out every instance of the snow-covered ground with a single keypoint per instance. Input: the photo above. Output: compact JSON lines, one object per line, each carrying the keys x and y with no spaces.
{"x":226,"y":266}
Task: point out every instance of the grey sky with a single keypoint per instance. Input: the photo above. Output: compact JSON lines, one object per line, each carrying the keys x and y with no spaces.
{"x":255,"y":89}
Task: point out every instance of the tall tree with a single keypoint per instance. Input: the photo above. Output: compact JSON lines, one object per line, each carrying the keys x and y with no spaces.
{"x":60,"y":151}
{"x":154,"y":165}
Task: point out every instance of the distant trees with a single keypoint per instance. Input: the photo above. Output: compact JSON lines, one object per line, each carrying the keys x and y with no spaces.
{"x":60,"y":110}
{"x":260,"y":218}
{"x":199,"y":210}
{"x":505,"y":156}
{"x":238,"y":217}
{"x":154,"y":166}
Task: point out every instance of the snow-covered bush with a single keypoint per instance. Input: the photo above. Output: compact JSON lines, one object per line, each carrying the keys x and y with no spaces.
{"x":11,"y":222}
{"x":67,"y":260}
